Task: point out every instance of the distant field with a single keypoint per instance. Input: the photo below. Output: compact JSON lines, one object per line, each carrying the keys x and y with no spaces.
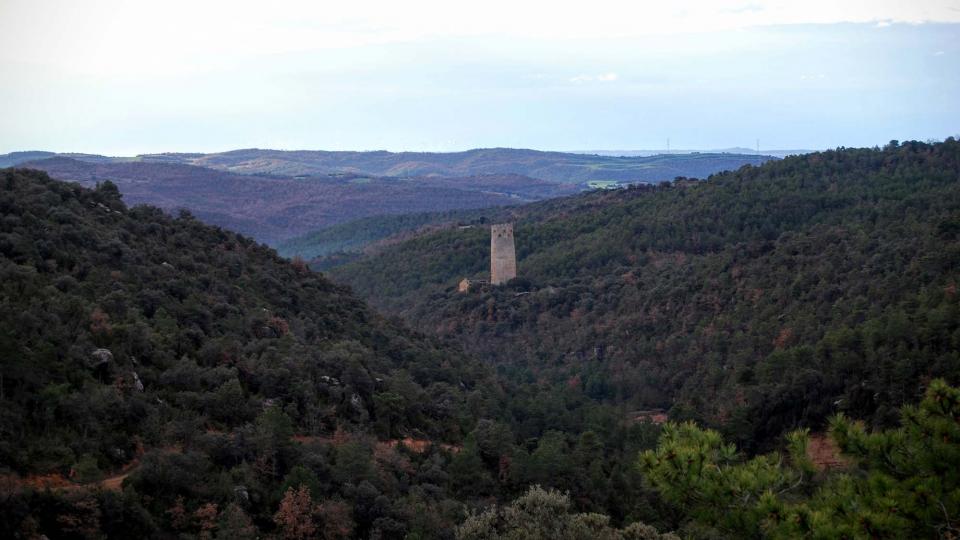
{"x":603,"y":184}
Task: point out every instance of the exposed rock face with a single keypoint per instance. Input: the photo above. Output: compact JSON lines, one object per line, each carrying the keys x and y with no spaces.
{"x":99,"y":357}
{"x":330,"y":380}
{"x":137,"y":383}
{"x":357,"y":402}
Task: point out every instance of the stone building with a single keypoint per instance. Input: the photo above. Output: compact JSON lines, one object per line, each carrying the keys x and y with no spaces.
{"x":503,"y":254}
{"x":503,"y":260}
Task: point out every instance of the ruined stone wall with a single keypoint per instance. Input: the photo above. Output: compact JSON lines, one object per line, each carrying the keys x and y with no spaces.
{"x":503,"y":254}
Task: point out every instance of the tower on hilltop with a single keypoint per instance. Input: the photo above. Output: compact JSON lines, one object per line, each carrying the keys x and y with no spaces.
{"x":503,"y":254}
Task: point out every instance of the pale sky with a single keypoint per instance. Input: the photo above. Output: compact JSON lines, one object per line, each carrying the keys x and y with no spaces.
{"x":136,"y":76}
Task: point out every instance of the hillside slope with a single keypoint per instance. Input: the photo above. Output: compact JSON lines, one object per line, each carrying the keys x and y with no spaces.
{"x":272,"y":209}
{"x":756,"y":301}
{"x":328,"y":247}
{"x":195,"y":367}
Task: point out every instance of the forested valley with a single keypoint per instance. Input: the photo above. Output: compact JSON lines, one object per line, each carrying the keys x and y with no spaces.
{"x":772,"y":352}
{"x":756,"y":301}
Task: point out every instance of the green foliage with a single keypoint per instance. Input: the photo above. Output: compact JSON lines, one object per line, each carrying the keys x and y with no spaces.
{"x":902,"y":483}
{"x":545,"y":515}
{"x":468,"y":474}
{"x":696,"y":470}
{"x":907,"y":483}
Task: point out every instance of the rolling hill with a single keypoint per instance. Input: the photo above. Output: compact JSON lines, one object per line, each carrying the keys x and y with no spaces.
{"x":276,"y":196}
{"x":272,"y":209}
{"x":557,"y":167}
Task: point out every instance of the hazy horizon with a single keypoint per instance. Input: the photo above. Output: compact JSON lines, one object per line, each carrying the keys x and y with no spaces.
{"x":123,"y":79}
{"x":606,"y":151}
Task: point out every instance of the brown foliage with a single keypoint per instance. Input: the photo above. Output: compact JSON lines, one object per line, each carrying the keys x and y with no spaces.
{"x":337,"y":520}
{"x":294,"y":518}
{"x":83,"y":518}
{"x":279,"y":326}
{"x":783,"y":338}
{"x":824,"y":453}
{"x":100,"y":323}
{"x":179,"y":519}
{"x":299,"y":264}
{"x":341,"y":436}
{"x":206,"y":518}
{"x":235,"y":524}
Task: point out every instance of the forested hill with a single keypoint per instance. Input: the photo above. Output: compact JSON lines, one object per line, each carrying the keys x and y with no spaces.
{"x":756,"y":301}
{"x":195,"y":366}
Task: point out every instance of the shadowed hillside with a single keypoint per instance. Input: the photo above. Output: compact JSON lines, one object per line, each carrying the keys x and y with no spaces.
{"x":191,"y":365}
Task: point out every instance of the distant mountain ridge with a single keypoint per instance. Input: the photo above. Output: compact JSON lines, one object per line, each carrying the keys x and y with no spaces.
{"x":778,"y":153}
{"x":561,"y":167}
{"x":553,"y":166}
{"x":16,"y":158}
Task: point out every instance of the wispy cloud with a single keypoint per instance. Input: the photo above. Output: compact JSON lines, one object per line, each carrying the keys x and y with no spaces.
{"x":746,"y":8}
{"x":938,"y":53}
{"x":883,"y":24}
{"x":603,"y":77}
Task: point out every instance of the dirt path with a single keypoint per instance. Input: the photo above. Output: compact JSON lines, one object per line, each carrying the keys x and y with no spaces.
{"x":58,"y":482}
{"x":824,"y":453}
{"x":418,"y":446}
{"x":114,"y":482}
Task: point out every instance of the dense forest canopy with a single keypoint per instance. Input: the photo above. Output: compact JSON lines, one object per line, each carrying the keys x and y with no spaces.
{"x":757,"y":301}
{"x":193,"y":358}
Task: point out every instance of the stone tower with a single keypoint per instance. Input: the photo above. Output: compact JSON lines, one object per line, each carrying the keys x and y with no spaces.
{"x":503,"y":254}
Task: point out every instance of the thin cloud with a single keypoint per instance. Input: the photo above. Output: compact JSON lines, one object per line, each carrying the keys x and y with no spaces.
{"x":603,"y":77}
{"x":747,"y":8}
